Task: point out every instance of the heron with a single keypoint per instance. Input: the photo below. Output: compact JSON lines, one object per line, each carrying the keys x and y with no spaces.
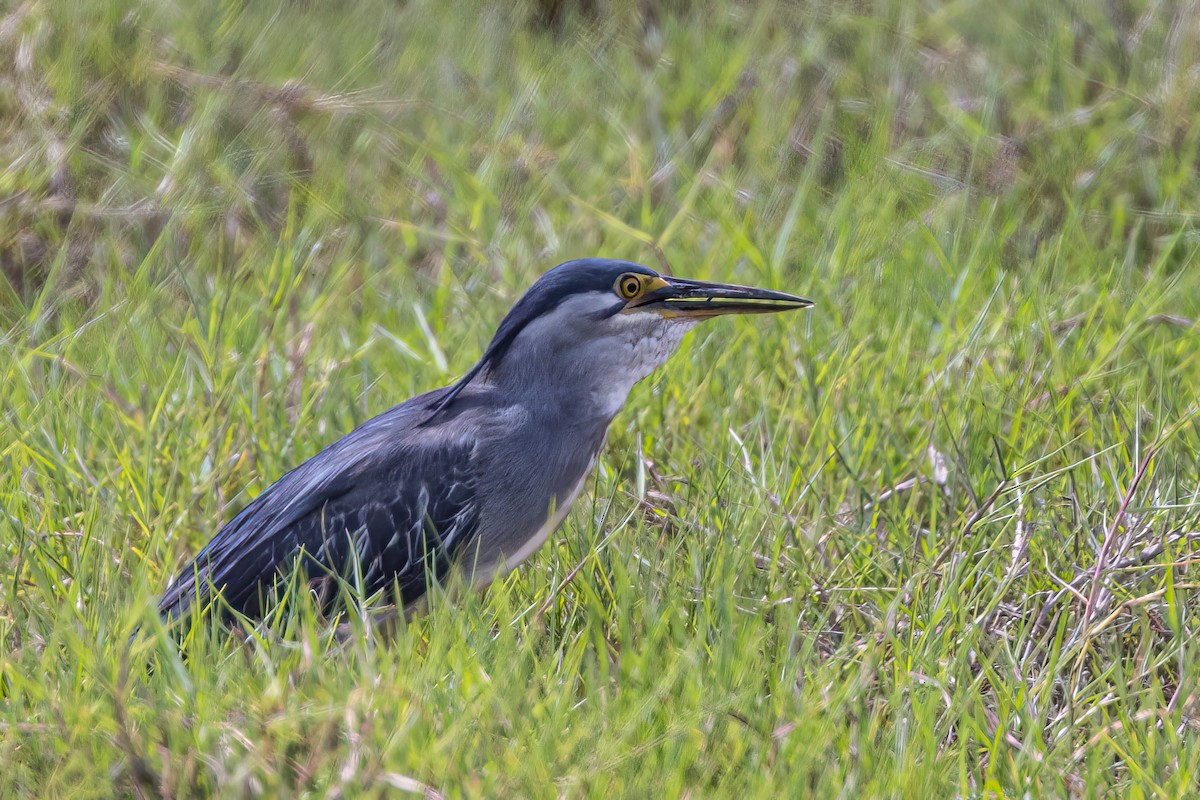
{"x":470,"y":479}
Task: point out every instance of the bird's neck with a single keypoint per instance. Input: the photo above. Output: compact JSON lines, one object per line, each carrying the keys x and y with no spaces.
{"x":581,"y":391}
{"x":561,"y":372}
{"x":568,"y":391}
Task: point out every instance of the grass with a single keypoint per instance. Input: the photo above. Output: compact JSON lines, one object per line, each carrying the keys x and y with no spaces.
{"x":937,"y":537}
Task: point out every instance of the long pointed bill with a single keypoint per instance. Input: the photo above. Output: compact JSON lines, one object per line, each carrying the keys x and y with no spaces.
{"x":677,"y":297}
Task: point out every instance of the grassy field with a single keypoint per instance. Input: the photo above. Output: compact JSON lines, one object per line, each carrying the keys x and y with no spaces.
{"x":936,"y":537}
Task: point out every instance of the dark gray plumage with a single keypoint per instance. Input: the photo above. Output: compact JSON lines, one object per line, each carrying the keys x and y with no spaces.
{"x":474,"y":476}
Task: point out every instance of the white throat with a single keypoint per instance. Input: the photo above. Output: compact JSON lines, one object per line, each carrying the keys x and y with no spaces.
{"x":649,"y":345}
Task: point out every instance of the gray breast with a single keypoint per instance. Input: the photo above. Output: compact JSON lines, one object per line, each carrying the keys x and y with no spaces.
{"x":531,"y":482}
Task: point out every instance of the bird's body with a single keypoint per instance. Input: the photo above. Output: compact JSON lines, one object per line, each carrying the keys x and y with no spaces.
{"x":474,"y":476}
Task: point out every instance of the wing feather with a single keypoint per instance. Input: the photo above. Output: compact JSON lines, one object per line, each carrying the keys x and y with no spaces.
{"x":404,"y":512}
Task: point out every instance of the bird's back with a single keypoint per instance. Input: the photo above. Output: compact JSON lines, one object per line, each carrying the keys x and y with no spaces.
{"x":394,"y":495}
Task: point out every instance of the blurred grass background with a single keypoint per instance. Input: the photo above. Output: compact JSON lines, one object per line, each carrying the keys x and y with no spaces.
{"x":936,"y":538}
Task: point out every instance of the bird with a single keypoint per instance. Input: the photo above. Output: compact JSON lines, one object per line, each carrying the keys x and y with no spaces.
{"x":472,"y":478}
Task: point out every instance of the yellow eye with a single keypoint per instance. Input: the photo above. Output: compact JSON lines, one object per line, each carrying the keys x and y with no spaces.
{"x":629,"y":286}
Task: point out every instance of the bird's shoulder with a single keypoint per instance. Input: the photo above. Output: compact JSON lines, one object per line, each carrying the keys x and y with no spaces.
{"x":397,"y":443}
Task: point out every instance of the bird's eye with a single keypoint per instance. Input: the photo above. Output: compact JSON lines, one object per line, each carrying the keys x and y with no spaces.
{"x":629,"y":286}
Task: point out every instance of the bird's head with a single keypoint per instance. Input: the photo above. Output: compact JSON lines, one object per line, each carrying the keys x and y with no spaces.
{"x":602,"y":325}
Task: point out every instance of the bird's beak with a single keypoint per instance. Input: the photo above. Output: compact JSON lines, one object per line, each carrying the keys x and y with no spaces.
{"x":681,"y":298}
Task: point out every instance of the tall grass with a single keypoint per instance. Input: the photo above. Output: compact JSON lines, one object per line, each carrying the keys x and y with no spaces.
{"x":936,"y":538}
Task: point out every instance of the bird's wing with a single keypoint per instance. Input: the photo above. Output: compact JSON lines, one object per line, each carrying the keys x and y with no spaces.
{"x":404,"y":511}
